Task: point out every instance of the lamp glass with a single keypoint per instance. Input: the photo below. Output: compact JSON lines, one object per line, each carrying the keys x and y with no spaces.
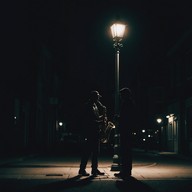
{"x":118,"y":30}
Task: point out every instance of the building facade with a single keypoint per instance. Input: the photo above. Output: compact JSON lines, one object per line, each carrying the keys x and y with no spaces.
{"x":179,"y":97}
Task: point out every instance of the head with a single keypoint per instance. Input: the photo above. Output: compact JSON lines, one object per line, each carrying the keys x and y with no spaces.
{"x":125,"y":93}
{"x":94,"y":96}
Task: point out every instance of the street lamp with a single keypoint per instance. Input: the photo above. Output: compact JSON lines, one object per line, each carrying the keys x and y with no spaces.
{"x":159,"y":120}
{"x":160,"y":129}
{"x":117,"y":31}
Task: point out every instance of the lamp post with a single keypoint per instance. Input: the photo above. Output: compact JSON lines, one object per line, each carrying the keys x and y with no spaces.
{"x":117,"y":31}
{"x":160,"y":129}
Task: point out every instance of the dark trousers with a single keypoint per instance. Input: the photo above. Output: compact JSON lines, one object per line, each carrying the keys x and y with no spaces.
{"x":90,"y":148}
{"x":126,"y":153}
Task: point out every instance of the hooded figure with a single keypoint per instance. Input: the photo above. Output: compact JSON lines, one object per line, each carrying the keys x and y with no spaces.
{"x":126,"y":125}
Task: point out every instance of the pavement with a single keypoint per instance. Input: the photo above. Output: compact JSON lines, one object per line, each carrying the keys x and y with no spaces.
{"x":68,"y":167}
{"x":59,"y":173}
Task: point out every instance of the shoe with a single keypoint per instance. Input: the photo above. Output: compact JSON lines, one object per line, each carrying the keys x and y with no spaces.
{"x":122,"y":175}
{"x":97,"y":172}
{"x":83,"y":173}
{"x":118,"y":175}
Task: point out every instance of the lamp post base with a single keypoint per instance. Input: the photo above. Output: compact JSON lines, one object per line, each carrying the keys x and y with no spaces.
{"x":115,"y":167}
{"x":116,"y":158}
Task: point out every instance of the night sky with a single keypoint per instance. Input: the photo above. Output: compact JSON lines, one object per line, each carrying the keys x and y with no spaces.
{"x":76,"y":36}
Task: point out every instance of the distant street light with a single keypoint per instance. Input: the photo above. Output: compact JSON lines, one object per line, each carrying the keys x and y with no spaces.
{"x":160,"y":129}
{"x":159,"y":120}
{"x":117,"y":31}
{"x":60,"y":123}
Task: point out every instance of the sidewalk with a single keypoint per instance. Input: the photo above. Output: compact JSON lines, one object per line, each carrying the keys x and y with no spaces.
{"x":172,"y":155}
{"x":68,"y":167}
{"x":60,"y":174}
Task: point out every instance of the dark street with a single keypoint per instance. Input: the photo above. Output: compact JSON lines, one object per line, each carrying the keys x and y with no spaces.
{"x":152,"y":171}
{"x":80,"y":72}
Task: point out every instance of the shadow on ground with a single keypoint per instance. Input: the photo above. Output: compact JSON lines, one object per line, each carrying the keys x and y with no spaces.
{"x":56,"y":186}
{"x":87,"y":184}
{"x":133,"y":184}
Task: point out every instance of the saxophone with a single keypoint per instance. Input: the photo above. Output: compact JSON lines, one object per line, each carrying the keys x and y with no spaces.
{"x":105,"y":136}
{"x":106,"y":126}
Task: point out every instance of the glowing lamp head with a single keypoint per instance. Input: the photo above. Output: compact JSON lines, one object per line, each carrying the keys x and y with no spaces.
{"x":117,"y":31}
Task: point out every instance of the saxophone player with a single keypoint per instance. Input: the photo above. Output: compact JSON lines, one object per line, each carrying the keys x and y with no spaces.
{"x":92,"y":122}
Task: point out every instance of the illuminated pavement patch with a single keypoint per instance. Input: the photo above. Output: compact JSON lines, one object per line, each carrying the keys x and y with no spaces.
{"x":144,"y":171}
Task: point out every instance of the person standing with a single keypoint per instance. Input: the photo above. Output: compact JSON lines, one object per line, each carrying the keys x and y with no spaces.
{"x":126,"y":125}
{"x":92,"y":122}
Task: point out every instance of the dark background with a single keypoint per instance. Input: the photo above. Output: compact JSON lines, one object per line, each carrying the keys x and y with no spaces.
{"x":75,"y":36}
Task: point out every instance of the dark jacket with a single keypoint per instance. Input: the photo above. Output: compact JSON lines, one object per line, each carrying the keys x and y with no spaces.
{"x":91,"y":119}
{"x":127,"y":117}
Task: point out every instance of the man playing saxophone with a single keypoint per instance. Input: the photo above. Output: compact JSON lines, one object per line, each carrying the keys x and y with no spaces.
{"x":93,"y":121}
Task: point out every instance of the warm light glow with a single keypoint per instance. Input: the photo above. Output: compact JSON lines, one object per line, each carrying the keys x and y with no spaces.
{"x":170,"y":115}
{"x":118,"y":31}
{"x":159,"y":120}
{"x":143,"y":130}
{"x":60,"y":123}
{"x":171,"y":119}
